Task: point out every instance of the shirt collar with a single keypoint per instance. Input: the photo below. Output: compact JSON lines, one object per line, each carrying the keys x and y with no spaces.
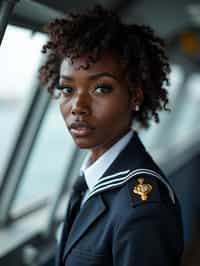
{"x":95,"y":171}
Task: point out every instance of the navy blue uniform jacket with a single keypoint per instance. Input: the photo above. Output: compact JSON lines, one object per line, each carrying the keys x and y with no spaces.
{"x":117,"y":227}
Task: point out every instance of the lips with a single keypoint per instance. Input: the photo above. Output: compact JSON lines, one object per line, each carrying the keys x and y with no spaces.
{"x":80,"y":129}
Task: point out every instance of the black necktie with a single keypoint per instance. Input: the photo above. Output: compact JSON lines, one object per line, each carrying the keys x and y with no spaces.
{"x":78,"y":191}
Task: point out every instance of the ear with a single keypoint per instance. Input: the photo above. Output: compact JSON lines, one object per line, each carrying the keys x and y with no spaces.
{"x":137,"y":98}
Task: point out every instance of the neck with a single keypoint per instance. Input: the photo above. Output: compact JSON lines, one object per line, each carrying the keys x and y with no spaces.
{"x":99,"y":151}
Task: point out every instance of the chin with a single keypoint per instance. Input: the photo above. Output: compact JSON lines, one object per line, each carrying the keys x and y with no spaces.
{"x":82,"y":144}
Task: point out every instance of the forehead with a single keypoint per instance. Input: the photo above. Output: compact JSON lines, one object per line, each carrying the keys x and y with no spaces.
{"x":108,"y":62}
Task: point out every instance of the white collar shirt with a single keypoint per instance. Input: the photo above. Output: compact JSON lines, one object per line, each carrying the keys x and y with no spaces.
{"x":94,"y":171}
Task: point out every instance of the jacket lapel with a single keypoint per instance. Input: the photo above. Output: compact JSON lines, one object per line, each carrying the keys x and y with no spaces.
{"x":89,"y":213}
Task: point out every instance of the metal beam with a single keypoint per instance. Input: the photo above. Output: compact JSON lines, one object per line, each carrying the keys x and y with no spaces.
{"x":6,"y":9}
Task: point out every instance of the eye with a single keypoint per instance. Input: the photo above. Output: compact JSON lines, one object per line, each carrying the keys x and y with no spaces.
{"x":103,"y":88}
{"x":66,"y":90}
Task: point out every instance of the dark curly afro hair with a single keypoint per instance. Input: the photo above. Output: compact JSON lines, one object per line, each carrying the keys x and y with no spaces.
{"x":99,"y":30}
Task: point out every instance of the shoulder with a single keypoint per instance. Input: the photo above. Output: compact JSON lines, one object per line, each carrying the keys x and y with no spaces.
{"x":147,"y":215}
{"x":149,"y":187}
{"x":144,"y":186}
{"x":146,"y":199}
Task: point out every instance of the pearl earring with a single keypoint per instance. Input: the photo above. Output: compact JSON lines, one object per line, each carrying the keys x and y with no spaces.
{"x":137,"y":107}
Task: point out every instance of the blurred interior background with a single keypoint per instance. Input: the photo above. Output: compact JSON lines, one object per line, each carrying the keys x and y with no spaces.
{"x":37,"y":156}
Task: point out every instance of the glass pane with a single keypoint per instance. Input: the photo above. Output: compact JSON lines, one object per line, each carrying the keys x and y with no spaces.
{"x":48,"y":162}
{"x":19,"y":59}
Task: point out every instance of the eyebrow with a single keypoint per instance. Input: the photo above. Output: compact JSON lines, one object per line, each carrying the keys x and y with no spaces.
{"x":92,"y":77}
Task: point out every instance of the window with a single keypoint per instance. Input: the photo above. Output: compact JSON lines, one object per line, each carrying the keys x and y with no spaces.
{"x":20,"y":56}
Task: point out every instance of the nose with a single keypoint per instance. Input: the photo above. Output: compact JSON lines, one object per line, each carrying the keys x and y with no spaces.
{"x":80,"y":105}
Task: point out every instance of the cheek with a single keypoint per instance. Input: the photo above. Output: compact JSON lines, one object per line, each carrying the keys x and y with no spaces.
{"x":64,"y":108}
{"x":113,"y":113}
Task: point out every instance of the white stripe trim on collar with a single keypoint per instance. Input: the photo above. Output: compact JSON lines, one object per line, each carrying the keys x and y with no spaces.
{"x":110,"y":182}
{"x":110,"y":177}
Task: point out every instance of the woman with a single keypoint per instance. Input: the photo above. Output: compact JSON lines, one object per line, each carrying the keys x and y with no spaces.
{"x":109,"y":76}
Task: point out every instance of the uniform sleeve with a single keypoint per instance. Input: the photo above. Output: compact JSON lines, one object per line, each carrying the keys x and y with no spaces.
{"x":147,"y":236}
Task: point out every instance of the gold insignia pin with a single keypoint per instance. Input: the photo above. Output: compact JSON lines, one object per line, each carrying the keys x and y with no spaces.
{"x":142,"y":189}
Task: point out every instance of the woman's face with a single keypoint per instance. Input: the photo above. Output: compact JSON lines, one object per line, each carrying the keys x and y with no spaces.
{"x":96,"y":103}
